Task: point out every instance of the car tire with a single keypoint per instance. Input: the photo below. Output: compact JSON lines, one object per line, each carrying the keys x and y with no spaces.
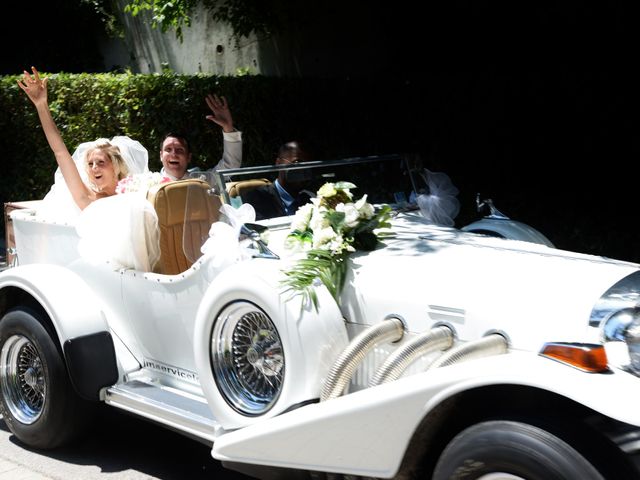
{"x":37,"y":400}
{"x":511,"y":450}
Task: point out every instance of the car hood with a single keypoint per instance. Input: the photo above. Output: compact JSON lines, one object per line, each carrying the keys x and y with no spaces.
{"x":477,"y":284}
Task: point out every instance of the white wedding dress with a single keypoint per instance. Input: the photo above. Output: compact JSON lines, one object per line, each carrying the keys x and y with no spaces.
{"x":120,"y":231}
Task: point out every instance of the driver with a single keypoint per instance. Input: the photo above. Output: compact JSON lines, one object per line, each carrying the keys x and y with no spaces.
{"x":287,"y":193}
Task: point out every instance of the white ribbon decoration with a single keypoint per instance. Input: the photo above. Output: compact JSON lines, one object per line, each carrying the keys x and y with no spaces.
{"x":439,"y":204}
{"x":223,"y":246}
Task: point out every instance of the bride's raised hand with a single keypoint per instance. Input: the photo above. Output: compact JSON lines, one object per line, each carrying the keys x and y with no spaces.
{"x":34,"y":86}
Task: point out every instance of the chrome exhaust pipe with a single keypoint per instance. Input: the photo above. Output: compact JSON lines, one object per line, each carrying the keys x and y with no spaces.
{"x":389,"y":330}
{"x":440,"y":338}
{"x":493,"y":344}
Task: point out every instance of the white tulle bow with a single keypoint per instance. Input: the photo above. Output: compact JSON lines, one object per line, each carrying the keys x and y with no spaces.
{"x":438,"y":204}
{"x":223,"y":245}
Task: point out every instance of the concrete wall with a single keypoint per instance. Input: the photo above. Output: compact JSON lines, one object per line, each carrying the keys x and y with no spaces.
{"x":207,"y":47}
{"x":325,"y":43}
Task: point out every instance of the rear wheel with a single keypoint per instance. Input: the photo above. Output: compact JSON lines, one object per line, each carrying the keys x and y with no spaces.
{"x":506,"y":450}
{"x":37,"y":400}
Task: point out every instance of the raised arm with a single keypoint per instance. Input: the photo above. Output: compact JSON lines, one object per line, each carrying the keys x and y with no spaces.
{"x":36,"y":90}
{"x":232,"y":138}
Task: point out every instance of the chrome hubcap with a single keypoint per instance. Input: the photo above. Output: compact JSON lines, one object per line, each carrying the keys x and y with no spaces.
{"x":265,"y":352}
{"x":22,"y":378}
{"x":248,"y":358}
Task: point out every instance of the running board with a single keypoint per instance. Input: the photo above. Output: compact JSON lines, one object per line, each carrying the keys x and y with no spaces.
{"x":183,"y":412}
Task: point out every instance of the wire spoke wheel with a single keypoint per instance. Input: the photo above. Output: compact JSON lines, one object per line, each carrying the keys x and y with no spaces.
{"x":23,"y":381}
{"x":37,"y":400}
{"x":247,"y":358}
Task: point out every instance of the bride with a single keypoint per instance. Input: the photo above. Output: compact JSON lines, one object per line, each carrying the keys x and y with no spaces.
{"x":118,"y":229}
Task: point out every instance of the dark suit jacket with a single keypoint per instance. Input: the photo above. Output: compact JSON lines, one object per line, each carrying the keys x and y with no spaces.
{"x":268,"y":204}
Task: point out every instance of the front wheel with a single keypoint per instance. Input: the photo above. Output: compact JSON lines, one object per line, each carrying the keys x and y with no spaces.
{"x":501,"y":450}
{"x":37,"y":400}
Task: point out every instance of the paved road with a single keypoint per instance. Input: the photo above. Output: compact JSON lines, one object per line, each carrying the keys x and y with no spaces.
{"x":119,"y":447}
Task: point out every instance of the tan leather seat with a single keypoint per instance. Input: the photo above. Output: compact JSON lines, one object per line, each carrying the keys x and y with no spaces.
{"x":181,"y":237}
{"x":236,"y":189}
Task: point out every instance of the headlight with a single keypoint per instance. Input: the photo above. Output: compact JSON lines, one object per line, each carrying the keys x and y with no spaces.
{"x":622,"y":295}
{"x":624,"y":326}
{"x":633,"y":344}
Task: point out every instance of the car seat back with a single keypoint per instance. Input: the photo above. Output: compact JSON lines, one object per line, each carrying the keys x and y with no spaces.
{"x":236,"y":189}
{"x":186,"y":209}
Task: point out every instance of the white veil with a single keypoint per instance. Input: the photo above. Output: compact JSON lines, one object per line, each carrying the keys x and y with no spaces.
{"x":59,"y":205}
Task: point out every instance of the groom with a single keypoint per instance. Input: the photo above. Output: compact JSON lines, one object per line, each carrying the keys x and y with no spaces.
{"x":175,"y":151}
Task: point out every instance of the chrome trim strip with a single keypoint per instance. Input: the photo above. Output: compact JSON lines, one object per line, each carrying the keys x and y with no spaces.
{"x":441,"y":313}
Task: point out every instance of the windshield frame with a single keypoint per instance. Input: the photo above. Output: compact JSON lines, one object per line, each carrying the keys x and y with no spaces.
{"x":223,"y":176}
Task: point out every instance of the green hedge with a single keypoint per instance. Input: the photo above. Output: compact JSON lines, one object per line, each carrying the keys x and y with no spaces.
{"x":519,"y":140}
{"x":89,"y":106}
{"x":144,"y":107}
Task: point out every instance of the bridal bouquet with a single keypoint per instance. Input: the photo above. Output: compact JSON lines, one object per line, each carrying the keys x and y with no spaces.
{"x":140,"y":182}
{"x":324,"y":232}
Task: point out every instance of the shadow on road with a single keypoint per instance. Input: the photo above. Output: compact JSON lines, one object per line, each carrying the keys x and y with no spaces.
{"x":119,"y":442}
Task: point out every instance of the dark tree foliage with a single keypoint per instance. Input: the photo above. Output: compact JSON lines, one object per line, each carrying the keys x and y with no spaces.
{"x":55,"y":35}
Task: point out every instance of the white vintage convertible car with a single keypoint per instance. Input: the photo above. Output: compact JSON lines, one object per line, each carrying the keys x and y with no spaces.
{"x":448,"y":355}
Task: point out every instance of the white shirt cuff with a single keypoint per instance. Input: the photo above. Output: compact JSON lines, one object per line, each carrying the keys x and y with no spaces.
{"x":235,"y":136}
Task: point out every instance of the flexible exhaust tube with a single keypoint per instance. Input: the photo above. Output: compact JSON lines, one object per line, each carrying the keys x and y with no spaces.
{"x":440,"y":338}
{"x":494,"y":344}
{"x":389,"y":330}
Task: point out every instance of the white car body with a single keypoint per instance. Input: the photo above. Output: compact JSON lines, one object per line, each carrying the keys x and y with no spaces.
{"x":425,"y":276}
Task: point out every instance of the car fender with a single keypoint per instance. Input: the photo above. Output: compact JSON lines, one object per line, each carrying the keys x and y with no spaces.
{"x":74,"y":309}
{"x":77,"y":318}
{"x":367,"y":432}
{"x":507,"y":228}
{"x":311,"y":339}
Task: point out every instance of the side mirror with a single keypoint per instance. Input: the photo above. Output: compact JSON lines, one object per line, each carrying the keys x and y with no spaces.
{"x":253,"y":231}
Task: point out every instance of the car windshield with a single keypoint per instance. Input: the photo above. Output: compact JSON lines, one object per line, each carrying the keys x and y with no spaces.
{"x":384,"y":179}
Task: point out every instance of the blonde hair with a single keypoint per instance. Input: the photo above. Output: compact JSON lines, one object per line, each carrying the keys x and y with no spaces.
{"x":113,"y":152}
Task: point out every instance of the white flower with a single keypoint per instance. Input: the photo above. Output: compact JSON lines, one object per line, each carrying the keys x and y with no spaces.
{"x":351,"y":214}
{"x":323,"y":237}
{"x":318,"y":221}
{"x":302,"y":217}
{"x":337,"y":245}
{"x":327,"y":190}
{"x":346,"y":188}
{"x":364,"y":208}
